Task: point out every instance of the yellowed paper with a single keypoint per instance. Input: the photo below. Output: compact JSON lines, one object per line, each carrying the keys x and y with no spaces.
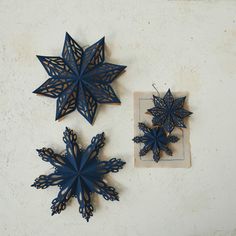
{"x":181,"y":150}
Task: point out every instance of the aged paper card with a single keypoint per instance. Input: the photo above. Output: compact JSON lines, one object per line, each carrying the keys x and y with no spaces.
{"x":181,"y":150}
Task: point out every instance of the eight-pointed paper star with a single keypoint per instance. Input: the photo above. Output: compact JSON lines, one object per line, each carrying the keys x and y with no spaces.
{"x":79,"y":79}
{"x":154,"y":139}
{"x":78,"y":173}
{"x":169,"y":112}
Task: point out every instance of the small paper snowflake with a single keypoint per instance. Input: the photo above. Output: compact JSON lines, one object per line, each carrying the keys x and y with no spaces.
{"x":79,"y":79}
{"x":78,"y":173}
{"x":156,"y":140}
{"x":169,"y":112}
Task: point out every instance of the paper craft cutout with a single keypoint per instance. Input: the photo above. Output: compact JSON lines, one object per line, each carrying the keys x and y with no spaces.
{"x":169,"y":112}
{"x":156,"y":140}
{"x":78,"y":173}
{"x":181,"y":157}
{"x":80,"y":79}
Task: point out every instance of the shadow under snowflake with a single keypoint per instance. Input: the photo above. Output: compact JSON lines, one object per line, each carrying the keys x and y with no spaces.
{"x":78,"y":173}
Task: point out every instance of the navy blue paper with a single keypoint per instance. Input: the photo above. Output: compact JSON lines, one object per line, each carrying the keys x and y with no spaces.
{"x":156,"y":140}
{"x":169,"y":112}
{"x":78,"y":173}
{"x":80,"y":79}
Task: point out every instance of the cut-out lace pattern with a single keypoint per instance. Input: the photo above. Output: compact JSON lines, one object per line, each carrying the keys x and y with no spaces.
{"x":156,"y":140}
{"x":79,"y":79}
{"x":78,"y":173}
{"x":168,"y":112}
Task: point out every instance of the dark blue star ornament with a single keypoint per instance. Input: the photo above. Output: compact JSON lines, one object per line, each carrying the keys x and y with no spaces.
{"x":78,"y":173}
{"x":156,"y":140}
{"x":80,"y":79}
{"x":169,"y":112}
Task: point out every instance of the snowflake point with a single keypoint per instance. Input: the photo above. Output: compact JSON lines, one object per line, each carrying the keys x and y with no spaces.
{"x":102,"y":39}
{"x":36,"y":91}
{"x":39,"y":151}
{"x":58,"y":117}
{"x":117,"y":101}
{"x":68,"y":35}
{"x":122,"y":68}
{"x":40,"y":58}
{"x":137,"y":139}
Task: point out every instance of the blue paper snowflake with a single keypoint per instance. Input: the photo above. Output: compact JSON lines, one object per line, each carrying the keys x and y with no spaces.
{"x":78,"y":173}
{"x":156,"y":140}
{"x":169,"y":112}
{"x":79,"y":79}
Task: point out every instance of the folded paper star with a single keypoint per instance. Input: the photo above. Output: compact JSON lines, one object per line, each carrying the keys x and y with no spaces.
{"x":78,"y":173}
{"x":156,"y":140}
{"x":80,"y":79}
{"x":169,"y":112}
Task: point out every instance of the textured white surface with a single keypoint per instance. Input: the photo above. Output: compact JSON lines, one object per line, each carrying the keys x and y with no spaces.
{"x":184,"y":45}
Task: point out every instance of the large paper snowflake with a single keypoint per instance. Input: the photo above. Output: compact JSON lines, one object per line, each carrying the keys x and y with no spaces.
{"x":78,"y":173}
{"x":169,"y":112}
{"x":79,"y":79}
{"x":156,"y":140}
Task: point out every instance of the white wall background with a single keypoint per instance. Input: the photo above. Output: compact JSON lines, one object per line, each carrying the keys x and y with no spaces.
{"x":184,"y":45}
